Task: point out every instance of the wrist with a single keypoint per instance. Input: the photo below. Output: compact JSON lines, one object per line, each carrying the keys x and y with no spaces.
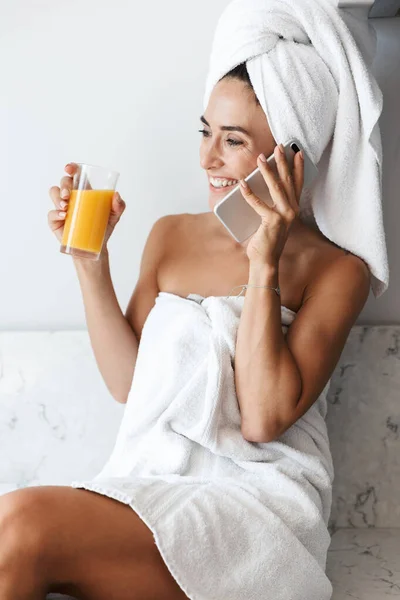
{"x":262,"y":274}
{"x":87,"y":264}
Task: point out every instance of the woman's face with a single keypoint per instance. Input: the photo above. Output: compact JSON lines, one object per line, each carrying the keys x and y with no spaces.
{"x":231,"y":154}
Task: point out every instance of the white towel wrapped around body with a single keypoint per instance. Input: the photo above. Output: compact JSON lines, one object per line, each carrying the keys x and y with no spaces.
{"x":232,"y":519}
{"x":312,"y":76}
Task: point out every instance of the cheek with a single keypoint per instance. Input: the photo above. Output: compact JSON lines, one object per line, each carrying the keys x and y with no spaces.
{"x":242,"y":153}
{"x":248,"y":158}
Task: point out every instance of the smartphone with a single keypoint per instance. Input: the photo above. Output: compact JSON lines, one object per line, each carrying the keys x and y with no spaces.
{"x":234,"y":212}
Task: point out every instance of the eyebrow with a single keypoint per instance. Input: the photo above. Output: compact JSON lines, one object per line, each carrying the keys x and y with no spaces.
{"x":227,"y":127}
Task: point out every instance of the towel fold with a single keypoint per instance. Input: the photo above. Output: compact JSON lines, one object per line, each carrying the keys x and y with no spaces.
{"x":314,"y":82}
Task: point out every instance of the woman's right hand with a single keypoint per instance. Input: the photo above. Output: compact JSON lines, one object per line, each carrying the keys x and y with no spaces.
{"x":56,"y":220}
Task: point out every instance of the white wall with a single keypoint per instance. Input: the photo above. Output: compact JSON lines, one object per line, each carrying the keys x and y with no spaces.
{"x":121,"y":84}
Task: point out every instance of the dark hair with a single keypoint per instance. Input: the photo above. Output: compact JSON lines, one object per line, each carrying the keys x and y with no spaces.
{"x":241,"y":73}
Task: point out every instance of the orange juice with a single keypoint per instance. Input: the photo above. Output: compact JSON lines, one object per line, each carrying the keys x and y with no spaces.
{"x":86,"y":221}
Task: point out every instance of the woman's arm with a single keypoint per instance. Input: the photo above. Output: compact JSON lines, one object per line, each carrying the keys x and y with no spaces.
{"x":279,"y":378}
{"x":267,"y":379}
{"x":112,"y":338}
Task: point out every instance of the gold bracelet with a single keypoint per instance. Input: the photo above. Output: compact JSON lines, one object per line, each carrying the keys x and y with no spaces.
{"x":277,"y":289}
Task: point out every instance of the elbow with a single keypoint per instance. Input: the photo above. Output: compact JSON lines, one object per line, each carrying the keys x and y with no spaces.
{"x":262,"y":435}
{"x":120,"y":398}
{"x":121,"y":401}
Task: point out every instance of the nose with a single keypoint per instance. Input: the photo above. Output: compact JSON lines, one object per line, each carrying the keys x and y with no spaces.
{"x":209,"y":157}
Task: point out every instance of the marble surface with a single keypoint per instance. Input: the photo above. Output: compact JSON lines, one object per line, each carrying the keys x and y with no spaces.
{"x":363,"y":421}
{"x":58,"y":422}
{"x":365,"y":564}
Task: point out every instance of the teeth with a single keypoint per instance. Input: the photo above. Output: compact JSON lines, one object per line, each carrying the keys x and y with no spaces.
{"x":223,"y":182}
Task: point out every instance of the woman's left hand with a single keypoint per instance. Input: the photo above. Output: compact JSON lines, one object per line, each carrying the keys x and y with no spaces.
{"x":267,"y":243}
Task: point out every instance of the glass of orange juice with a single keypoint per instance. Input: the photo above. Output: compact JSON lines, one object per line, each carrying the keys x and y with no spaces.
{"x":88,"y":211}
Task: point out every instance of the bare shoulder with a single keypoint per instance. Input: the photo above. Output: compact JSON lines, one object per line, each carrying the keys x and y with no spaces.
{"x":166,"y":232}
{"x":180,"y":229}
{"x":185,"y":224}
{"x":339,"y":275}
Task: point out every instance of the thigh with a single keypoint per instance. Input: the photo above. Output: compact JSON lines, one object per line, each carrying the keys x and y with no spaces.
{"x":93,"y":546}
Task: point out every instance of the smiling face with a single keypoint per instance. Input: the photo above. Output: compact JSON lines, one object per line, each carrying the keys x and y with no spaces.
{"x":232,"y":155}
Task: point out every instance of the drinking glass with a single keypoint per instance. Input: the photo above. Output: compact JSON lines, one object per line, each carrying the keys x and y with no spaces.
{"x":88,"y":211}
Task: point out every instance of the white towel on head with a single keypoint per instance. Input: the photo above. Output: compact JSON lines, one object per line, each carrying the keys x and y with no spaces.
{"x":314,"y":82}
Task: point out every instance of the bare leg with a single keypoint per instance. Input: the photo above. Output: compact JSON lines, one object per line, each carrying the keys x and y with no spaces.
{"x":19,"y":579}
{"x":74,"y":541}
{"x":21,"y":586}
{"x":21,"y":591}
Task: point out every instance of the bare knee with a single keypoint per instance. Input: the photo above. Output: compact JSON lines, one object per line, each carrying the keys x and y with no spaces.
{"x":22,"y":529}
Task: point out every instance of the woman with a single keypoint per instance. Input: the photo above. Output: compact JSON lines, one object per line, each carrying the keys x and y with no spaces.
{"x":75,"y":541}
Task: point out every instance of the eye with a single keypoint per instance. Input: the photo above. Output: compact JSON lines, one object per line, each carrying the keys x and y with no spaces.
{"x":229,"y":140}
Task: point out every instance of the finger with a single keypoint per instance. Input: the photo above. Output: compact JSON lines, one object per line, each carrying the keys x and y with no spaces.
{"x":117,"y":205}
{"x":65,"y":187}
{"x":275,"y":186}
{"x":55,"y":196}
{"x":298,"y":176}
{"x":70,"y":169}
{"x":255,"y":202}
{"x":286,"y":176}
{"x":54,"y":217}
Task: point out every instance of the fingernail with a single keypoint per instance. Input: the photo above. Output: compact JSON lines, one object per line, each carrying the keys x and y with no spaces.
{"x":64,"y":193}
{"x":243,"y":183}
{"x":281,"y":148}
{"x":301,"y":155}
{"x":63,"y":204}
{"x":262,"y":157}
